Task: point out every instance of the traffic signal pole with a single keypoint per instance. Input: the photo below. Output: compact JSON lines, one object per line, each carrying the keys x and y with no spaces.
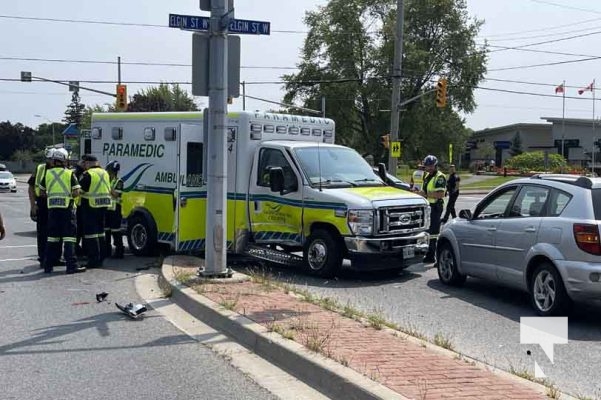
{"x":216,"y":219}
{"x":395,"y":107}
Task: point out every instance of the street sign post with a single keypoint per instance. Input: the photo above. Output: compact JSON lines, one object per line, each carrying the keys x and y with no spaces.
{"x":240,"y":26}
{"x":200,"y":65}
{"x":395,"y":149}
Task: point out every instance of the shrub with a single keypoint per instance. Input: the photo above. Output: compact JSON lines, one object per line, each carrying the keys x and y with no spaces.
{"x":535,"y":161}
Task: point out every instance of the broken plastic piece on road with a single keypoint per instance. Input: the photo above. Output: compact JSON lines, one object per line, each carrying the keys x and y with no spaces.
{"x":132,"y":310}
{"x":100,"y":297}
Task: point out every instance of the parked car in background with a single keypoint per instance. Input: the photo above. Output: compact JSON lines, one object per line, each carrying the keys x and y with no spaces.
{"x":539,"y":234}
{"x":2,"y":167}
{"x":7,"y":182}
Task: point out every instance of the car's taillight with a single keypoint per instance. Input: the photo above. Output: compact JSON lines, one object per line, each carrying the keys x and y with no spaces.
{"x":587,"y":238}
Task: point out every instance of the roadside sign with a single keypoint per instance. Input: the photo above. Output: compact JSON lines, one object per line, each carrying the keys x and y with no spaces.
{"x":71,"y":131}
{"x":240,"y":26}
{"x":200,"y":65}
{"x":395,"y":149}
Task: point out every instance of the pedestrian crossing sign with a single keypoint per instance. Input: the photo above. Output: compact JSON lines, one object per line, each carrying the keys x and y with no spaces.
{"x":395,"y":149}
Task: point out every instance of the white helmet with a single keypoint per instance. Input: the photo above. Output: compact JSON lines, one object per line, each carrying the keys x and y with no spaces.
{"x":48,"y":153}
{"x":60,"y":155}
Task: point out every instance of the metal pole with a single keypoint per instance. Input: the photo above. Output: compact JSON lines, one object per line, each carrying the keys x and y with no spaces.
{"x":216,"y":219}
{"x":594,"y":139}
{"x":563,"y":121}
{"x":395,"y":107}
{"x":243,"y":95}
{"x":119,"y":70}
{"x":53,"y":139}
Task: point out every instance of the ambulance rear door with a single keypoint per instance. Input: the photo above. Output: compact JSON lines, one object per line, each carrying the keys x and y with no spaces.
{"x":190,"y":192}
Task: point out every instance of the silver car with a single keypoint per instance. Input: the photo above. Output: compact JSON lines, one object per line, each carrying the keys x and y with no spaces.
{"x":7,"y":182}
{"x":539,"y":234}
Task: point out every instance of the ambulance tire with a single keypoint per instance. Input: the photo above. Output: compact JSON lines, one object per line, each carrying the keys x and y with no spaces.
{"x":142,"y":234}
{"x":323,"y":253}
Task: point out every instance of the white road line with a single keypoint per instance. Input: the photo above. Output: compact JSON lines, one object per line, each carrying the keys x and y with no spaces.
{"x":17,"y":259}
{"x":20,"y":246}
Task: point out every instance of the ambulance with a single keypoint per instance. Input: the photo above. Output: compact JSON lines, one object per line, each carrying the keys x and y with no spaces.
{"x":291,"y":190}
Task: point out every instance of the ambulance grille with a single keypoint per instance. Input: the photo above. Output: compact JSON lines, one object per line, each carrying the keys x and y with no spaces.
{"x":404,"y":219}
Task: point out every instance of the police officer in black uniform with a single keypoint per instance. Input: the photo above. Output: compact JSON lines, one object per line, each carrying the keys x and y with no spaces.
{"x":435,"y":184}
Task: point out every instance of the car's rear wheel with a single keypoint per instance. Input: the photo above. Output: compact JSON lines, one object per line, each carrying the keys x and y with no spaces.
{"x":447,"y":266}
{"x":547,"y":291}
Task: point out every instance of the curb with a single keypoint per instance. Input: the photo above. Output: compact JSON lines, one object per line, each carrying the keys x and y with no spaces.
{"x":323,"y":374}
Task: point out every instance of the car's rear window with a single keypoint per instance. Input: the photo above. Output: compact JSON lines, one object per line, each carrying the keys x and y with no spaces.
{"x":597,"y":203}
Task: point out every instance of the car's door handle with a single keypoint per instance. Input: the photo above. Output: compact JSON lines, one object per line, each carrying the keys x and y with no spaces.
{"x":530,"y":229}
{"x":491,"y":229}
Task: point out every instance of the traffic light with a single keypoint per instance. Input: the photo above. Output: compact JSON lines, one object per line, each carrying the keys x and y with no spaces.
{"x":441,"y":93}
{"x":121,"y":98}
{"x":385,"y":140}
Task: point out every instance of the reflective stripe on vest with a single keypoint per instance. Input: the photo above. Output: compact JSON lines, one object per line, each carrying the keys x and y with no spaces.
{"x":115,"y":200}
{"x":99,"y":194}
{"x":40,"y":171}
{"x":431,"y":189}
{"x":58,"y":187}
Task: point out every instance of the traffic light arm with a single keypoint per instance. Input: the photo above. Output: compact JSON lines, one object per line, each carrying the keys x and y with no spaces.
{"x":404,"y":103}
{"x":80,"y":87}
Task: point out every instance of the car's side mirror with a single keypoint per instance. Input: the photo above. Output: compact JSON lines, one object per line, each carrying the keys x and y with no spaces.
{"x":465,"y":214}
{"x":382,"y":171}
{"x":276,"y":179}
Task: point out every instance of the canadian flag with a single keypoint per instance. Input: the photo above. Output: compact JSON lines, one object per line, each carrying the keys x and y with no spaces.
{"x":586,"y":89}
{"x":559,"y":89}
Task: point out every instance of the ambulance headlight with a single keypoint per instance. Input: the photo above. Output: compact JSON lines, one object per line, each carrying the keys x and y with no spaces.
{"x":361,"y":222}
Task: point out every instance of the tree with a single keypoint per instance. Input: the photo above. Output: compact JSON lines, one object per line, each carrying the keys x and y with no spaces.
{"x":516,"y":145}
{"x":86,"y":119}
{"x":75,"y":109}
{"x":15,"y":137}
{"x":348,"y":57}
{"x":486,"y":151}
{"x":162,"y":98}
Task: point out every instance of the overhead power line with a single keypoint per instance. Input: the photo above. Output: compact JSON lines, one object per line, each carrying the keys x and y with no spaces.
{"x":566,"y":6}
{"x":548,"y":41}
{"x":545,"y":29}
{"x":543,"y":64}
{"x":544,"y":35}
{"x":140,"y":63}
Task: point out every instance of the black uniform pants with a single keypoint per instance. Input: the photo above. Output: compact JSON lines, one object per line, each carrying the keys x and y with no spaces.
{"x":79,"y":237}
{"x":435,"y":214}
{"x":41,"y":226}
{"x":112,"y":228}
{"x":451,"y":206}
{"x":93,"y":235}
{"x":61,"y":228}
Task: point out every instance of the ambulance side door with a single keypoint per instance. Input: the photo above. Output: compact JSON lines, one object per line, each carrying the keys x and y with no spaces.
{"x":275,"y":217}
{"x":190,"y":191}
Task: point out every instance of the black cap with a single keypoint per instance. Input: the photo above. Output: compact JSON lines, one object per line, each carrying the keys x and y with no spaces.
{"x":89,"y":157}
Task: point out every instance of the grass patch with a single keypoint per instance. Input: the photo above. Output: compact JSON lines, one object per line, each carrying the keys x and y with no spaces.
{"x":349,"y":311}
{"x":489,"y":183}
{"x":443,"y":341}
{"x":184,"y":277}
{"x":230,"y":304}
{"x":411,"y":330}
{"x":376,"y":320}
{"x":553,"y":392}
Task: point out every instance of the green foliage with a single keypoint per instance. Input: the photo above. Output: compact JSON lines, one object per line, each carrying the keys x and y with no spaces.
{"x":486,"y":151}
{"x":86,"y":119}
{"x":535,"y":161}
{"x":15,"y":137}
{"x":165,"y":97}
{"x":348,"y":56}
{"x":516,"y":145}
{"x":75,"y":109}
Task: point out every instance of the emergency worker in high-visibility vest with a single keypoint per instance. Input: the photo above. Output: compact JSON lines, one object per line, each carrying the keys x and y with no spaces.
{"x":38,"y":208}
{"x":434,"y":186}
{"x":112,"y":226}
{"x":95,"y":199}
{"x":60,"y":187}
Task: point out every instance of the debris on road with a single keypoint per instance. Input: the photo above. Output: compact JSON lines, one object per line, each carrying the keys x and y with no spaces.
{"x":80,"y":303}
{"x":132,"y":310}
{"x":100,"y":297}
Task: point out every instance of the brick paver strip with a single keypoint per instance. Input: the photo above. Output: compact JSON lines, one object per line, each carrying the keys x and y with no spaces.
{"x":402,"y":365}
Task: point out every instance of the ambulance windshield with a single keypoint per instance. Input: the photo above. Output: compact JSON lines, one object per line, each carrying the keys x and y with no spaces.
{"x":336,"y":166}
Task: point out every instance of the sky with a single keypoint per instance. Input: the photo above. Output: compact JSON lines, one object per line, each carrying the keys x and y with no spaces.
{"x":508,"y":23}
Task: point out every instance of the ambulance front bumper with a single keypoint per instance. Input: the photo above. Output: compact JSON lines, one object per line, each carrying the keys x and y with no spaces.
{"x":386,"y":252}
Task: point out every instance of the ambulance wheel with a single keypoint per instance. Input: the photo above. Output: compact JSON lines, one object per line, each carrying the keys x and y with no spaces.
{"x":323,"y":253}
{"x":141,"y":235}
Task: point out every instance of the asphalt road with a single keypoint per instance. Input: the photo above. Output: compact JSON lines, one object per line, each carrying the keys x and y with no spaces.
{"x":57,"y":342}
{"x":481,"y":319}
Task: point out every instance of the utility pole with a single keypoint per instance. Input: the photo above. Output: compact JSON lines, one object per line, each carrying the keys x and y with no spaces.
{"x":323,"y":106}
{"x":243,"y":95}
{"x":216,"y":219}
{"x":118,"y":70}
{"x":395,"y":107}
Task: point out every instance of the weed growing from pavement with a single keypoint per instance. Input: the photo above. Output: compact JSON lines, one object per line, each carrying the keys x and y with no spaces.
{"x":350,"y":312}
{"x":440,"y":339}
{"x":411,"y":330}
{"x":230,"y":304}
{"x":422,"y":387}
{"x":376,"y":320}
{"x":343,"y":361}
{"x":525,"y":374}
{"x":553,"y":392}
{"x":184,"y":277}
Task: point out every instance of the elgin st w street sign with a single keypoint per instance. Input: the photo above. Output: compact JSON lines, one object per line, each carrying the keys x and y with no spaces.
{"x":241,"y":26}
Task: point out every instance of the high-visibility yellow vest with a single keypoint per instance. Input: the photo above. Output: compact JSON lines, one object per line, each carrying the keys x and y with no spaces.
{"x":431,"y":186}
{"x":115,"y":187}
{"x":99,"y":193}
{"x":40,"y":172}
{"x":58,"y":187}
